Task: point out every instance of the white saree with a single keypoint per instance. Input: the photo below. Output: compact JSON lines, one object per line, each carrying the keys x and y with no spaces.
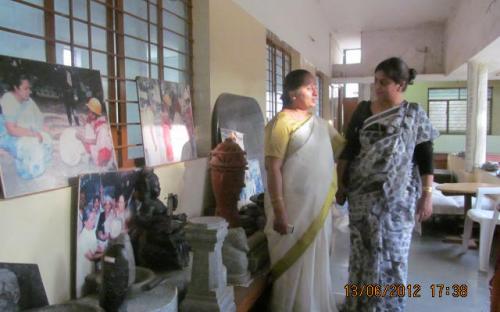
{"x":305,"y":284}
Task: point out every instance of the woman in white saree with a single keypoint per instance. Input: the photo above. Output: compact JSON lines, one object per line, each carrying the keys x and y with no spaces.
{"x":301,"y":187}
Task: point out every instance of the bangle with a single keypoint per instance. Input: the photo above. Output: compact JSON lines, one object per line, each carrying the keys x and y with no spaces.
{"x":276,"y":199}
{"x":427,"y":189}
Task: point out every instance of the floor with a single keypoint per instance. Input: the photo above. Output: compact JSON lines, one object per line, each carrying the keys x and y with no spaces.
{"x":431,"y":262}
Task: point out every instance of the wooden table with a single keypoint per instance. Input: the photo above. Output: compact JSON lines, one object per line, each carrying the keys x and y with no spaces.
{"x":466,"y":189}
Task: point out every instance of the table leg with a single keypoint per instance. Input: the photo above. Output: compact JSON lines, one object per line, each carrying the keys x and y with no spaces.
{"x":458,"y":240}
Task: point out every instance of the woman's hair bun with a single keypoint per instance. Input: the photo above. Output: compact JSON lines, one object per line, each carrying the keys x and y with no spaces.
{"x":412,"y":73}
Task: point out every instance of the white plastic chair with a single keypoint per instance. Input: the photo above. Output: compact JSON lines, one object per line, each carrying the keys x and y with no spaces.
{"x":487,"y":220}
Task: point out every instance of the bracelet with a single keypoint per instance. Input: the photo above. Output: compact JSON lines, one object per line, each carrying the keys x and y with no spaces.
{"x":427,"y":189}
{"x":279,"y":198}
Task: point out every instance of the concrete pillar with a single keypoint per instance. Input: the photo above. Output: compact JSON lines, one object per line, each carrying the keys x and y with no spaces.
{"x":365,"y":92}
{"x":477,"y":123}
{"x":208,"y":290}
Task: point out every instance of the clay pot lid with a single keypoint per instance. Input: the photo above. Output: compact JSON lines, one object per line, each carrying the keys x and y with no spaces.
{"x":228,"y":154}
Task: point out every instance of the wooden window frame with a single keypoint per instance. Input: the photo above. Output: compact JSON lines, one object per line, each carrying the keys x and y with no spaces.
{"x":271,"y":106}
{"x":116,"y":96}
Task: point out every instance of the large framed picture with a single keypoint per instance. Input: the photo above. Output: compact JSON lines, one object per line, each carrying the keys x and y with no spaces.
{"x":105,"y":206}
{"x":53,"y":125}
{"x":166,"y":121}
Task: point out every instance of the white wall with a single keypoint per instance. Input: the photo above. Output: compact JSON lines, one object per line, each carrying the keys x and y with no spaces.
{"x":473,"y":25}
{"x":421,"y":47}
{"x":456,"y":143}
{"x":300,"y":23}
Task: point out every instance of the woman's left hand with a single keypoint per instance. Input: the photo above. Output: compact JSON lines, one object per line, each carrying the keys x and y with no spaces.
{"x":424,"y":207}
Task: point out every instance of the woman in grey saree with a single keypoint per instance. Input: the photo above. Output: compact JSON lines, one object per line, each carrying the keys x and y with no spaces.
{"x":386,"y":173}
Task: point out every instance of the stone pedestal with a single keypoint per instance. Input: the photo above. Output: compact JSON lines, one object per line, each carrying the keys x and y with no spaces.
{"x":208,"y":290}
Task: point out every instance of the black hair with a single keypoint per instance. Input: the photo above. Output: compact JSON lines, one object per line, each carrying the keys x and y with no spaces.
{"x":294,"y":80}
{"x":397,"y":70}
{"x":15,"y":79}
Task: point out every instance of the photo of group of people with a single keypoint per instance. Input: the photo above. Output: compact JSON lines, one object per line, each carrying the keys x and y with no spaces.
{"x":53,"y":125}
{"x":166,"y":121}
{"x":106,"y":205}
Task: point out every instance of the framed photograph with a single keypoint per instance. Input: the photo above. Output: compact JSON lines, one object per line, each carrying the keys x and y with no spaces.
{"x":166,"y":121}
{"x":253,"y":182}
{"x":105,"y":207}
{"x":53,"y":125}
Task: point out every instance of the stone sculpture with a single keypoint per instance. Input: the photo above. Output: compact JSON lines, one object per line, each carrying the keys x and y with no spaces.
{"x":116,"y":274}
{"x":158,"y":234}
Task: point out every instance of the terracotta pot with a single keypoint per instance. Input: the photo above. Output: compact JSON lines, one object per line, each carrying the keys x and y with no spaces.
{"x":228,"y":164}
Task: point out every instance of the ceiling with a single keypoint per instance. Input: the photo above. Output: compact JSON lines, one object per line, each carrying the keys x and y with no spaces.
{"x":348,"y":18}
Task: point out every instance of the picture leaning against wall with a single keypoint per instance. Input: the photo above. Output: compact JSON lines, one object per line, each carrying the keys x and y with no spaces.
{"x":105,"y":207}
{"x":53,"y":125}
{"x":166,"y":121}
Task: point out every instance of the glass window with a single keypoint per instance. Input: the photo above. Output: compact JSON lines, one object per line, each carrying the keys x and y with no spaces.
{"x":448,"y":109}
{"x":351,"y":90}
{"x":352,"y":56}
{"x":278,"y":64}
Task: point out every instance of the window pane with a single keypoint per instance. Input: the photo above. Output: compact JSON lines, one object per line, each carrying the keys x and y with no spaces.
{"x":134,"y":69}
{"x":133,"y":116}
{"x":173,"y":41}
{"x":351,"y":90}
{"x":135,"y":27}
{"x":81,"y":58}
{"x":22,"y":46}
{"x":63,"y":54}
{"x":152,"y":13}
{"x":98,"y":38}
{"x":134,"y":133}
{"x":131,"y":89}
{"x":80,"y":9}
{"x":135,"y":48}
{"x":457,"y":116}
{"x":61,"y":6}
{"x":100,"y":62}
{"x":443,"y":94}
{"x":173,"y":75}
{"x":80,"y":34}
{"x":154,"y":72}
{"x":352,"y":56}
{"x":136,"y":7}
{"x":153,"y":34}
{"x":174,"y":59}
{"x":62,"y":28}
{"x":178,"y":7}
{"x":437,"y":114}
{"x":154,"y":53}
{"x":174,"y":23}
{"x":98,"y":13}
{"x":32,"y":19}
{"x":135,"y":152}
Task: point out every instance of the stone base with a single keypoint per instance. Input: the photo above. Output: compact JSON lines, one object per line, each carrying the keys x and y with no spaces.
{"x":222,"y":300}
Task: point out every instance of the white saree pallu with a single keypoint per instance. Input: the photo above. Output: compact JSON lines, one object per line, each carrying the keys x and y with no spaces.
{"x":300,"y":261}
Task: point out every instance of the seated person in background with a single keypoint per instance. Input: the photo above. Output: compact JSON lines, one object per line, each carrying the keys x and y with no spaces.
{"x":24,"y":136}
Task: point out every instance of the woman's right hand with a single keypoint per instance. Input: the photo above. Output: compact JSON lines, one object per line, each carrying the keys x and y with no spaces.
{"x":280,"y":223}
{"x":340,"y":196}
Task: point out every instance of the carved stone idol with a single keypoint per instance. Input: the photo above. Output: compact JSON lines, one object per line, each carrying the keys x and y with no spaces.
{"x":115,"y":274}
{"x":158,"y":234}
{"x":228,"y":164}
